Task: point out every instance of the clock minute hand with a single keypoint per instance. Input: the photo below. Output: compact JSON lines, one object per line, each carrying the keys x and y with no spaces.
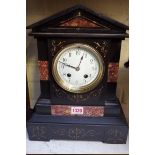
{"x":68,"y":65}
{"x":80,"y":60}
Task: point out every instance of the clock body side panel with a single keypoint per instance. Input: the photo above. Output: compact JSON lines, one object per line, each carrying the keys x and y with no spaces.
{"x":43,"y":65}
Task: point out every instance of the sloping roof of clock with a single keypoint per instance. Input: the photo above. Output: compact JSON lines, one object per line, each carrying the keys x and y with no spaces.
{"x":78,"y":21}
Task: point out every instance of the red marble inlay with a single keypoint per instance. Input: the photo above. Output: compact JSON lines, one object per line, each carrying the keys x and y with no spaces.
{"x":43,"y":67}
{"x":88,"y":111}
{"x":79,"y":22}
{"x":113,"y":72}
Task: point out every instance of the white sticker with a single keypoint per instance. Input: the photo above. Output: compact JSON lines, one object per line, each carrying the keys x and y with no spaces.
{"x":77,"y":110}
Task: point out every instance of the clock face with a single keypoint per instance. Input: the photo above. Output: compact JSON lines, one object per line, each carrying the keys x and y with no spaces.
{"x":78,"y":68}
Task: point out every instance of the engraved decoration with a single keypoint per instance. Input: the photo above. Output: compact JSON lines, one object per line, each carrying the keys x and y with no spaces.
{"x":114,"y":135}
{"x":38,"y":132}
{"x":74,"y":133}
{"x":77,"y":97}
{"x":113,"y":72}
{"x":54,"y":46}
{"x":110,"y":134}
{"x":78,"y":133}
{"x":79,"y":22}
{"x":88,"y":111}
{"x":103,"y":47}
{"x":43,"y":68}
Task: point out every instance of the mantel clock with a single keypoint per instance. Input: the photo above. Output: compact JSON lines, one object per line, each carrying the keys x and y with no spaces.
{"x":78,"y":59}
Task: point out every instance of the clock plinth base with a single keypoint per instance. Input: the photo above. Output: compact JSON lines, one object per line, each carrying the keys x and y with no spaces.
{"x":113,"y":130}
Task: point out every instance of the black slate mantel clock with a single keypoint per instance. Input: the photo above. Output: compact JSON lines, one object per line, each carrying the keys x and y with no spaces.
{"x":78,"y":59}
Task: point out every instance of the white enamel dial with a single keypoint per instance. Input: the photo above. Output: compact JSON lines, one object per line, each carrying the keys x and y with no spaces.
{"x":78,"y":68}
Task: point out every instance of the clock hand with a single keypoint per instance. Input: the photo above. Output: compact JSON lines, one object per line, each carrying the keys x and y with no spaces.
{"x":80,"y":61}
{"x":68,"y":65}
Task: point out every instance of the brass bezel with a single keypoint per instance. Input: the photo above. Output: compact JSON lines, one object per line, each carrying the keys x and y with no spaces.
{"x":82,"y":89}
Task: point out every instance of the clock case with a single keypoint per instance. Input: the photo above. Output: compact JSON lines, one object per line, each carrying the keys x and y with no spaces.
{"x":78,"y":24}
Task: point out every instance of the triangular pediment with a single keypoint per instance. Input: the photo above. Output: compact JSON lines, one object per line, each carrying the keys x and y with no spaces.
{"x":78,"y":19}
{"x":79,"y":22}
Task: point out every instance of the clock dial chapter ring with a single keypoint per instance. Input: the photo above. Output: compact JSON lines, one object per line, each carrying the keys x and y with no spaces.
{"x":63,"y":83}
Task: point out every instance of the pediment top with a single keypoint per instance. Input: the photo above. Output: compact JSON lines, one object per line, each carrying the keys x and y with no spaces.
{"x":79,"y":16}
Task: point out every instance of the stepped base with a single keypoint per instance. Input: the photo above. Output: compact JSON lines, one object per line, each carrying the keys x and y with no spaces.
{"x":113,"y":130}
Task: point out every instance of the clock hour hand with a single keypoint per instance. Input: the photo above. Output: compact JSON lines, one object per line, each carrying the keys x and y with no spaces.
{"x":68,"y":65}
